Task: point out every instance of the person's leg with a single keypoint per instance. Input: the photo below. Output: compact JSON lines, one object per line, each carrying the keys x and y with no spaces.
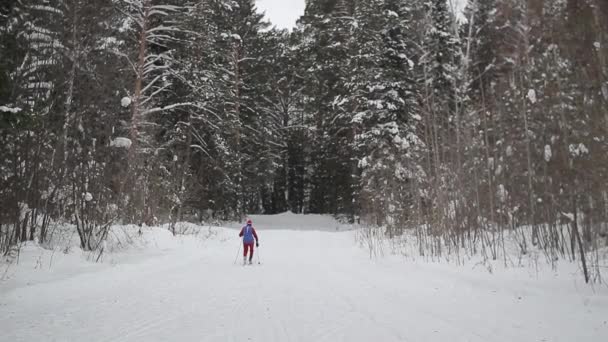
{"x":248,"y":247}
{"x":245,"y":250}
{"x":251,"y":254}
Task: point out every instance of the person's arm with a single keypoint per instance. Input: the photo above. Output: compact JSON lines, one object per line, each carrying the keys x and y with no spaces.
{"x":255,"y":235}
{"x":241,"y":233}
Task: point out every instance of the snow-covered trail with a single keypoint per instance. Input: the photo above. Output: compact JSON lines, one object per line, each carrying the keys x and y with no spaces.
{"x":311,"y":286}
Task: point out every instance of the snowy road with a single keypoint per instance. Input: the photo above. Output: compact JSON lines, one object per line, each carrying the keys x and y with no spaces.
{"x":311,"y":286}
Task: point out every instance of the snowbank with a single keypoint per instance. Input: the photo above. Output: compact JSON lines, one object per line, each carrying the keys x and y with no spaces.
{"x":62,"y":256}
{"x":291,"y":221}
{"x":121,"y":142}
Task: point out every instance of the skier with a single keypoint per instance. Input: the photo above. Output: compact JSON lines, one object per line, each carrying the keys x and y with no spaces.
{"x":248,"y":234}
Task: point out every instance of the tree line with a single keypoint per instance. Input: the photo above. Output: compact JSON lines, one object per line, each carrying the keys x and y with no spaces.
{"x":463,"y":125}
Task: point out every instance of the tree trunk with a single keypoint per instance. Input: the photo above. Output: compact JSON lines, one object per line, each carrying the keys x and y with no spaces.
{"x":579,"y":240}
{"x":23,"y":236}
{"x":141,"y":60}
{"x":237,"y":55}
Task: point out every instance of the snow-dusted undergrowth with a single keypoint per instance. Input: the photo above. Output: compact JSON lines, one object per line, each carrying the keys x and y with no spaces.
{"x":504,"y":252}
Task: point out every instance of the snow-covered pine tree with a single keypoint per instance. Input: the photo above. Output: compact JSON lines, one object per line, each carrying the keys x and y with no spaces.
{"x":441,"y":48}
{"x":156,"y":26}
{"x":325,"y":49}
{"x":184,"y":133}
{"x":387,"y":114}
{"x":238,"y":44}
{"x":275,"y":103}
{"x":437,"y":74}
{"x":32,"y":32}
{"x":88,"y":112}
{"x":259,"y":127}
{"x":195,"y":136}
{"x":232,"y":129}
{"x":7,"y":52}
{"x":483,"y":39}
{"x":57,"y":89}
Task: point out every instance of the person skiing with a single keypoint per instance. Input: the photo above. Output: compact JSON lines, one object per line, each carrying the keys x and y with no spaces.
{"x":249,"y":236}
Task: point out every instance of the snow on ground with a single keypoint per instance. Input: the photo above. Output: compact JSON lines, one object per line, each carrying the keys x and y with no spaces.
{"x":290,"y":221}
{"x":313,"y":284}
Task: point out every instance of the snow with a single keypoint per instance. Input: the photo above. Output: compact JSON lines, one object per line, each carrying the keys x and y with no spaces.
{"x":410,"y":63}
{"x":577,"y":150}
{"x":458,"y":7}
{"x":569,"y":216}
{"x":392,"y":14}
{"x":532,"y":96}
{"x":46,"y":9}
{"x":109,"y":43}
{"x":88,"y":197}
{"x":6,"y":109}
{"x":24,"y":209}
{"x":501,"y":193}
{"x":315,"y":283}
{"x":121,"y":142}
{"x":125,"y":102}
{"x":498,"y":171}
{"x":359,"y":117}
{"x":169,"y":107}
{"x":297,"y":222}
{"x":548,"y":153}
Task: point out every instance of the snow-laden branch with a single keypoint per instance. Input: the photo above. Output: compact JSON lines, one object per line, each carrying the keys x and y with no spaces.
{"x":170,"y":8}
{"x":151,"y":84}
{"x":158,"y":91}
{"x":153,"y":68}
{"x":169,"y":107}
{"x":122,"y":54}
{"x":168,"y":29}
{"x":46,"y":9}
{"x":7,"y":109}
{"x":158,"y":12}
{"x":197,"y":136}
{"x":200,"y":148}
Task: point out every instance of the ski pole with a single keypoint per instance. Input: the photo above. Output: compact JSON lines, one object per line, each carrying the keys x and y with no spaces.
{"x":237,"y":253}
{"x":258,"y":253}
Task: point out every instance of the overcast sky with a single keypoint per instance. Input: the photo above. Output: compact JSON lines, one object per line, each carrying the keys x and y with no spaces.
{"x":282,"y":13}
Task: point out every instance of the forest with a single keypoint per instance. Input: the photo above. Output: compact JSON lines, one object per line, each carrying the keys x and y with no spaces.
{"x":456,"y":126}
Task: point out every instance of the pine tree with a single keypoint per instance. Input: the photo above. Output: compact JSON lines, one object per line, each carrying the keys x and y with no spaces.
{"x":156,"y":26}
{"x":442,"y":52}
{"x":325,"y":32}
{"x":385,"y":103}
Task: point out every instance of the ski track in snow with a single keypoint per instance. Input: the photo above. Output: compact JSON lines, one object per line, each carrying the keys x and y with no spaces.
{"x":311,"y":286}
